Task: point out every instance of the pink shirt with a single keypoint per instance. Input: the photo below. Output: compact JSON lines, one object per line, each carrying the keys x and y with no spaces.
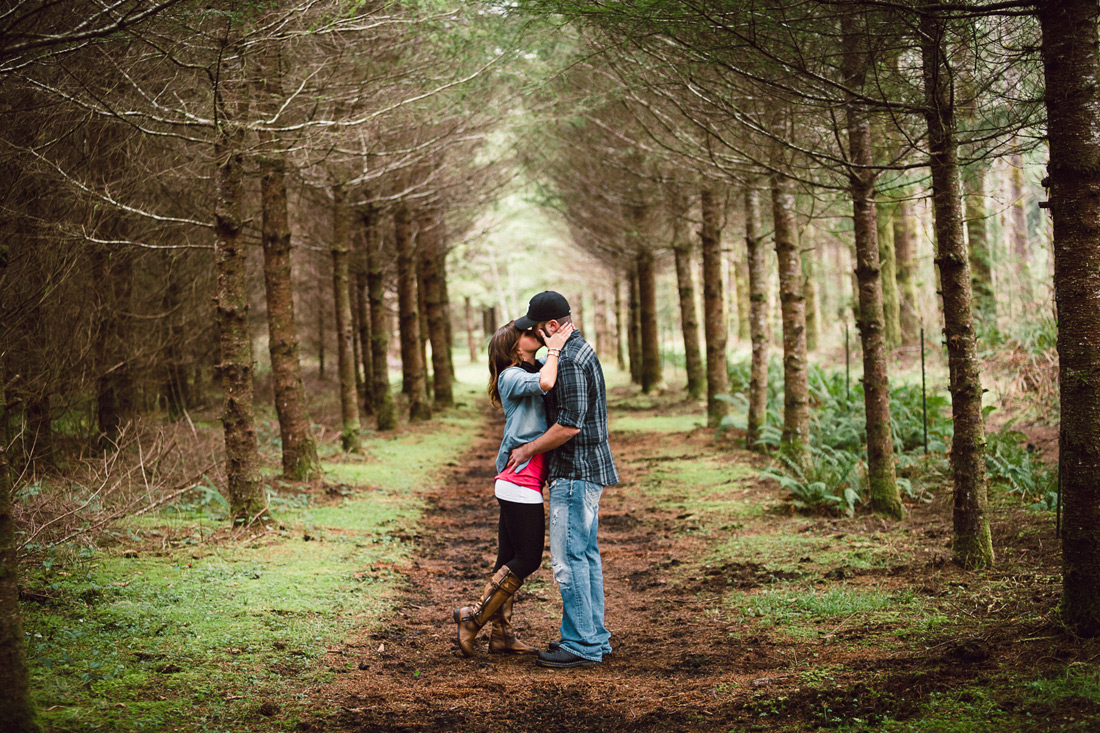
{"x":532,"y":476}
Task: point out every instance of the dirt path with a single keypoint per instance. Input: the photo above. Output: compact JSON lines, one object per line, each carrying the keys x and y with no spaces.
{"x":667,"y":651}
{"x":680,"y":664}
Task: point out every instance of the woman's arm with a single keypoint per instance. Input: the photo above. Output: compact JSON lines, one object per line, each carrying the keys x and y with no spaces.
{"x":548,"y":376}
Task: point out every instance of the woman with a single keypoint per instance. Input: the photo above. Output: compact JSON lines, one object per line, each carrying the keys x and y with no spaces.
{"x":516,"y":385}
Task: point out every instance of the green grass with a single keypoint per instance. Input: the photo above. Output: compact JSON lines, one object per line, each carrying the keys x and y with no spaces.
{"x":626,"y":423}
{"x":195,"y":635}
{"x":1067,"y":702}
{"x":795,"y":602}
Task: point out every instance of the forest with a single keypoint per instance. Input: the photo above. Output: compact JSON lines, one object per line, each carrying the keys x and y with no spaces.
{"x":839,"y":261}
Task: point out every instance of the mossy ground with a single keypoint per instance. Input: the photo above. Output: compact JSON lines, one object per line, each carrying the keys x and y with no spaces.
{"x":729,"y":610}
{"x":878,"y":630}
{"x":180,"y":624}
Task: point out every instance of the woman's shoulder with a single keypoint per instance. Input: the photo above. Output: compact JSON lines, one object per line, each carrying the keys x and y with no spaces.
{"x":515,"y":374}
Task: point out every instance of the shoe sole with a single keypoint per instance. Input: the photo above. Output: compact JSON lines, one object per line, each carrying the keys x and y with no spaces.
{"x":566,"y":665}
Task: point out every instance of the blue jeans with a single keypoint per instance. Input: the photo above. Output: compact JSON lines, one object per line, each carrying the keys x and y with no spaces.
{"x":575,"y":559}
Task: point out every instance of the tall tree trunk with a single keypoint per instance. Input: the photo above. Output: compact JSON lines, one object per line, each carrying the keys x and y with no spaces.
{"x":1071,"y":67}
{"x":422,"y":313}
{"x":444,"y":294}
{"x":1018,"y":224}
{"x":715,"y":329}
{"x":246,"y":492}
{"x":321,"y":340}
{"x":647,"y":296}
{"x":744,"y":297}
{"x":981,"y":258}
{"x":430,"y":253}
{"x":176,"y":389}
{"x":356,"y":327}
{"x":689,"y":319}
{"x":881,"y":473}
{"x":809,"y":290}
{"x":599,"y":316}
{"x":620,"y":350}
{"x":350,"y":439}
{"x":300,"y":461}
{"x":471,"y":340}
{"x":972,"y":545}
{"x":412,"y":364}
{"x":907,"y":285}
{"x":796,"y":389}
{"x":385,"y":413}
{"x":891,"y":306}
{"x":758,"y":317}
{"x":363,"y":323}
{"x":113,"y":278}
{"x":17,"y":713}
{"x":576,"y":305}
{"x":634,"y":320}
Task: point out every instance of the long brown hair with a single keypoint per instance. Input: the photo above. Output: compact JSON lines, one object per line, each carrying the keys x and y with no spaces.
{"x":502,"y":354}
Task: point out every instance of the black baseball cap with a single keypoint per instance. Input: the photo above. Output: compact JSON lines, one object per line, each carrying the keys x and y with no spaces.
{"x":546,"y":306}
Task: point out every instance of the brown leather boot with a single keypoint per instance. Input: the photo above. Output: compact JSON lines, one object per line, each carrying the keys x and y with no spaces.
{"x":470,"y":619}
{"x":503,"y":640}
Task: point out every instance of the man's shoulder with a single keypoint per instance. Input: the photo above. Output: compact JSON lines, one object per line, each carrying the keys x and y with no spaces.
{"x":578,"y":349}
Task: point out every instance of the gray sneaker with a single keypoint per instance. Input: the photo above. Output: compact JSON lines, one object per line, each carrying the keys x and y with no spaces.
{"x":562,"y":659}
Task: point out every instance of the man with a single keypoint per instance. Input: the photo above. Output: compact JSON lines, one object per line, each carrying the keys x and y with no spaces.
{"x":580,"y":466}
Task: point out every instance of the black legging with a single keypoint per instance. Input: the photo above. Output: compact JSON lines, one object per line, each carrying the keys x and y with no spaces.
{"x":521,"y":537}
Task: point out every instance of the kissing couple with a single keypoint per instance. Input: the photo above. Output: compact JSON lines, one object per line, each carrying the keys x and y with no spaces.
{"x":554,"y":450}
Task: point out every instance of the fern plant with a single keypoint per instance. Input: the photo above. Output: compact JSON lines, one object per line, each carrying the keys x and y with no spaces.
{"x":829,"y":481}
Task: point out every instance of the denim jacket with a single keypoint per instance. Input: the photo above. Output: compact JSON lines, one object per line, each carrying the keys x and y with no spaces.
{"x":524,"y":411}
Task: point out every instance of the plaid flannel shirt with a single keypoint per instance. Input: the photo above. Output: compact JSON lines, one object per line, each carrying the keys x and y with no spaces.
{"x":579,"y":400}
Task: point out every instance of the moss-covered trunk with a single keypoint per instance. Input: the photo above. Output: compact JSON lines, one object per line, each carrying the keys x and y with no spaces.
{"x":715,"y":330}
{"x":17,"y":712}
{"x":430,"y":253}
{"x":340,"y":249}
{"x":300,"y":461}
{"x":414,"y":381}
{"x":972,"y":546}
{"x":1071,"y":67}
{"x":234,"y":368}
{"x":792,"y":303}
{"x":385,"y":414}
{"x":689,"y":318}
{"x":881,"y":472}
{"x":758,"y":317}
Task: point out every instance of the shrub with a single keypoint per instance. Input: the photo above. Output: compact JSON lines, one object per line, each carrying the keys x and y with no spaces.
{"x":1011,"y":462}
{"x":830,"y":480}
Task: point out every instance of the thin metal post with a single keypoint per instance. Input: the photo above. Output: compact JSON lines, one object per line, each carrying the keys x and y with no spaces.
{"x":923,"y":391}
